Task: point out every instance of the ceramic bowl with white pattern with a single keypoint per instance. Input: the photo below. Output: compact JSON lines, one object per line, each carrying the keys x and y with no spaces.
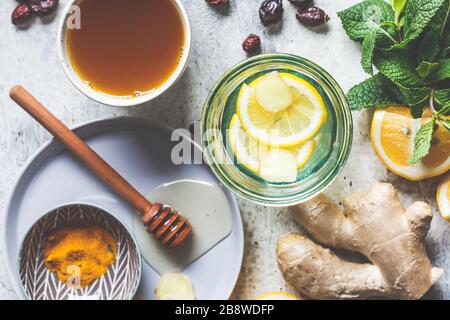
{"x":119,"y":283}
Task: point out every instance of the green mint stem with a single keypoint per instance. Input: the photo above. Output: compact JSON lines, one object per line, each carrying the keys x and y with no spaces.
{"x":433,"y":108}
{"x":375,"y":25}
{"x":389,"y":36}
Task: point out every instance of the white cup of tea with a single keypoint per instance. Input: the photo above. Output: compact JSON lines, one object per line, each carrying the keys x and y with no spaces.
{"x":107,"y":70}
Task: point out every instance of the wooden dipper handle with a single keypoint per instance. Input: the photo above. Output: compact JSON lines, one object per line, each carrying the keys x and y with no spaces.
{"x":166,"y":224}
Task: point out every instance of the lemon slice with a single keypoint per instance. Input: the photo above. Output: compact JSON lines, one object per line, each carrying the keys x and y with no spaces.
{"x":247,"y":150}
{"x":303,"y":153}
{"x":393,"y":133}
{"x":443,"y":197}
{"x":292,"y":126}
{"x":280,"y":295}
{"x":250,"y":151}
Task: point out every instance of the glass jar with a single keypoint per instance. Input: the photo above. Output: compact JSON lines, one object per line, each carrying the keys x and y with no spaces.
{"x":249,"y":186}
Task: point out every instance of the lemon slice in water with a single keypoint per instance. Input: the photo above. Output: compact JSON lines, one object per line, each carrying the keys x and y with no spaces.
{"x":293,"y":125}
{"x":250,"y":151}
{"x":247,"y":150}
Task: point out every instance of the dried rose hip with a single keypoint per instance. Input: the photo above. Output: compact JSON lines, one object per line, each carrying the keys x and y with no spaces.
{"x":271,"y":11}
{"x":43,"y":7}
{"x":301,"y":3}
{"x":312,"y":16}
{"x":252,"y":44}
{"x":217,"y":3}
{"x":21,"y":14}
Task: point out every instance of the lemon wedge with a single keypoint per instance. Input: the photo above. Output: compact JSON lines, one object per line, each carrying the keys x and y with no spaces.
{"x":280,"y":295}
{"x":293,"y":125}
{"x":443,"y":197}
{"x":250,"y":151}
{"x":393,"y":133}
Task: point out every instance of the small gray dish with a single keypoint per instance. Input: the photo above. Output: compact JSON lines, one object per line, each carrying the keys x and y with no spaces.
{"x":119,"y":283}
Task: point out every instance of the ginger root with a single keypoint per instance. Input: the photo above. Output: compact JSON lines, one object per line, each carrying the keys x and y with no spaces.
{"x":174,"y":286}
{"x":375,"y":224}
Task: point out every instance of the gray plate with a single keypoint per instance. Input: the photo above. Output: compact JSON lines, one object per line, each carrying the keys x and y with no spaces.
{"x":141,"y":153}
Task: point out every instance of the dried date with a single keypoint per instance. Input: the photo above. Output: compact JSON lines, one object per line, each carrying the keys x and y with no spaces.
{"x":312,"y":16}
{"x":271,"y":11}
{"x":252,"y":44}
{"x":301,"y":3}
{"x":21,"y":14}
{"x":43,"y":7}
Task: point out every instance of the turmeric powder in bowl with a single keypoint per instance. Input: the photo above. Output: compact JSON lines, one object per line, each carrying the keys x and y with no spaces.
{"x":80,"y":255}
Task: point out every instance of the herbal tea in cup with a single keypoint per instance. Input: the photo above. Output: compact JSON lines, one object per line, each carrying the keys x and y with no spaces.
{"x":126,"y":49}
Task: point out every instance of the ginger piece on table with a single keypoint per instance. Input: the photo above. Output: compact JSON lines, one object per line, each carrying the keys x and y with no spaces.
{"x":375,"y":224}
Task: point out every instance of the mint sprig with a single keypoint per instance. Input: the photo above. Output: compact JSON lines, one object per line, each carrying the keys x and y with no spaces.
{"x":422,"y":142}
{"x":408,"y":42}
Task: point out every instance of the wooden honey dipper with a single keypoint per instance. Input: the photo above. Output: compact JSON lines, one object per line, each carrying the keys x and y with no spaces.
{"x":166,"y":224}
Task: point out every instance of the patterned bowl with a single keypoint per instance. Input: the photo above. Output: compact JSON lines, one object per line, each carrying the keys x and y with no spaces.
{"x":119,"y":283}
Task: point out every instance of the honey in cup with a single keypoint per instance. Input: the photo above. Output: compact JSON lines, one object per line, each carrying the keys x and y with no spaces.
{"x":126,"y":48}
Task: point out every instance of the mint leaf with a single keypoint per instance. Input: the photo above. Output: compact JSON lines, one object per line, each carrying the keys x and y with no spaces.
{"x":418,"y":14}
{"x":439,"y":21}
{"x":416,"y":98}
{"x":445,"y":123}
{"x":398,"y":67}
{"x":446,"y":45}
{"x":429,"y":47}
{"x":361,"y":18}
{"x":367,"y":51}
{"x":445,"y":109}
{"x":442,"y":96}
{"x":417,"y":111}
{"x":399,"y":7}
{"x":442,"y":73}
{"x":426,"y":68}
{"x":374,"y":92}
{"x":422,"y":142}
